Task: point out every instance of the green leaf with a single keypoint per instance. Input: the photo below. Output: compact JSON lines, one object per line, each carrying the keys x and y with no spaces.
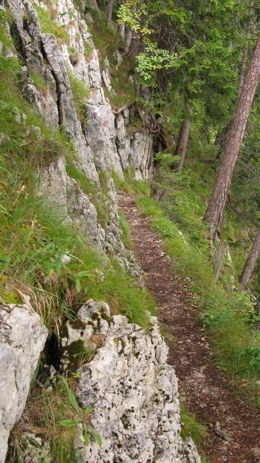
{"x":71,"y":396}
{"x":88,"y":410}
{"x":96,"y":436}
{"x":78,"y":286}
{"x":73,"y":400}
{"x":68,"y":423}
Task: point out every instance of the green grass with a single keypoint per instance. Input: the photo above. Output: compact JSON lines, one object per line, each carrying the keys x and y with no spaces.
{"x":129,"y":185}
{"x":48,"y":25}
{"x":40,"y":83}
{"x":192,"y":428}
{"x":20,"y":138}
{"x":126,"y":238}
{"x":53,"y":414}
{"x":108,"y":42}
{"x":80,"y":95}
{"x":105,"y":38}
{"x":34,"y":239}
{"x":224,"y":312}
{"x":89,"y":187}
{"x":124,"y":296}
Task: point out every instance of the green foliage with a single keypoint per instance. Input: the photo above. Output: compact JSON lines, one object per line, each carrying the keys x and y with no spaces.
{"x":123,"y":295}
{"x":226,"y":313}
{"x":80,"y":95}
{"x":48,"y":25}
{"x":191,"y":428}
{"x":125,"y":232}
{"x":80,"y":418}
{"x":132,"y":14}
{"x":186,"y":49}
{"x":152,"y":60}
{"x":89,"y":187}
{"x":54,"y":414}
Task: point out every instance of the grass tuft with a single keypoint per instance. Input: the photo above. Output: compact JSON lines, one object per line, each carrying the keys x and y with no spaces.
{"x":191,"y":428}
{"x":80,"y":95}
{"x":49,"y":26}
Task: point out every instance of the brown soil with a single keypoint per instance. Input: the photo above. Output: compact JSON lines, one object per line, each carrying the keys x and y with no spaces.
{"x":208,"y":392}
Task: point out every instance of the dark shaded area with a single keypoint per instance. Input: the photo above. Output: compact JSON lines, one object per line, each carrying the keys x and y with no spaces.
{"x":53,"y":351}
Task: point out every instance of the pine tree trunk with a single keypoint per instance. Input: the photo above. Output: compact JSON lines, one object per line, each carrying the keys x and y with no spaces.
{"x":95,"y":6}
{"x":251,"y":262}
{"x":109,"y":12}
{"x":216,"y":206}
{"x":183,"y":139}
{"x":182,"y":143}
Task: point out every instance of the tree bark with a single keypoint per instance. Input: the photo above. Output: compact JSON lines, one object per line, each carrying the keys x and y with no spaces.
{"x":216,"y":206}
{"x":109,"y":12}
{"x":183,"y":140}
{"x":251,"y":262}
{"x":95,"y":6}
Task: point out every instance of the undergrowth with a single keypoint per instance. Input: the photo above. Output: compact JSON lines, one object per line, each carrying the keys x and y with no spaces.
{"x":36,"y":244}
{"x":80,"y":94}
{"x":43,"y":258}
{"x":54,"y":414}
{"x":191,"y":428}
{"x":108,"y":43}
{"x":48,"y":24}
{"x":227,"y":314}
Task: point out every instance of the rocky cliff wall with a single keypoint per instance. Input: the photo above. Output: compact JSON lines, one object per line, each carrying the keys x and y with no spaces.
{"x":135,"y":391}
{"x":99,"y":136}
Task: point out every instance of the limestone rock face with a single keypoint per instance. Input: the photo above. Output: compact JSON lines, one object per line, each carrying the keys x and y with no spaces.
{"x":135,"y":149}
{"x":133,"y":389}
{"x":70,"y":202}
{"x":22,"y":338}
{"x":93,"y":133}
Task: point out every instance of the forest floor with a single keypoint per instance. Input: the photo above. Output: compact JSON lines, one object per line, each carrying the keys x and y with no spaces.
{"x":208,"y":393}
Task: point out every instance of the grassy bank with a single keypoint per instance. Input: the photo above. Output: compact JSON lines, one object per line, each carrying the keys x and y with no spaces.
{"x":227,"y":312}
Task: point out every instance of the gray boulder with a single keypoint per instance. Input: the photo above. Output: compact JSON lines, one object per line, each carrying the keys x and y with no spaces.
{"x":22,"y":339}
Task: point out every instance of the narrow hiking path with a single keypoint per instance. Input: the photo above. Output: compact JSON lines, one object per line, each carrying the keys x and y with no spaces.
{"x":208,"y":393}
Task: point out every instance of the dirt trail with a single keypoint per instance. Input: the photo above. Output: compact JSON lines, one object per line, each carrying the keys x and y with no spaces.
{"x":232,"y":423}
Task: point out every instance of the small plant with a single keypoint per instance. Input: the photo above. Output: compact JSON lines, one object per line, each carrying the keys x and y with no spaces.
{"x":80,"y":95}
{"x":91,"y":189}
{"x":73,"y":55}
{"x":191,"y":428}
{"x":82,"y":417}
{"x":40,"y":83}
{"x":88,"y":50}
{"x":53,"y":414}
{"x":125,"y":232}
{"x":48,"y":24}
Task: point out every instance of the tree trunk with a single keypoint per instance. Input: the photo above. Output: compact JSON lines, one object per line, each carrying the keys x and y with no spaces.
{"x":183,"y":140}
{"x":95,"y":6}
{"x":251,"y":262}
{"x":109,"y":12}
{"x":216,"y":206}
{"x":220,"y":259}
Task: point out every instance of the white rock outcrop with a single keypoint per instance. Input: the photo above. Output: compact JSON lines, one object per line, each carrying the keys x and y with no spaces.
{"x":22,"y":339}
{"x":93,"y":133}
{"x":133,"y":389}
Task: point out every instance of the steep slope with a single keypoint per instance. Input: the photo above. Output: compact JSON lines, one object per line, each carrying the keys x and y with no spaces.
{"x":59,"y":206}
